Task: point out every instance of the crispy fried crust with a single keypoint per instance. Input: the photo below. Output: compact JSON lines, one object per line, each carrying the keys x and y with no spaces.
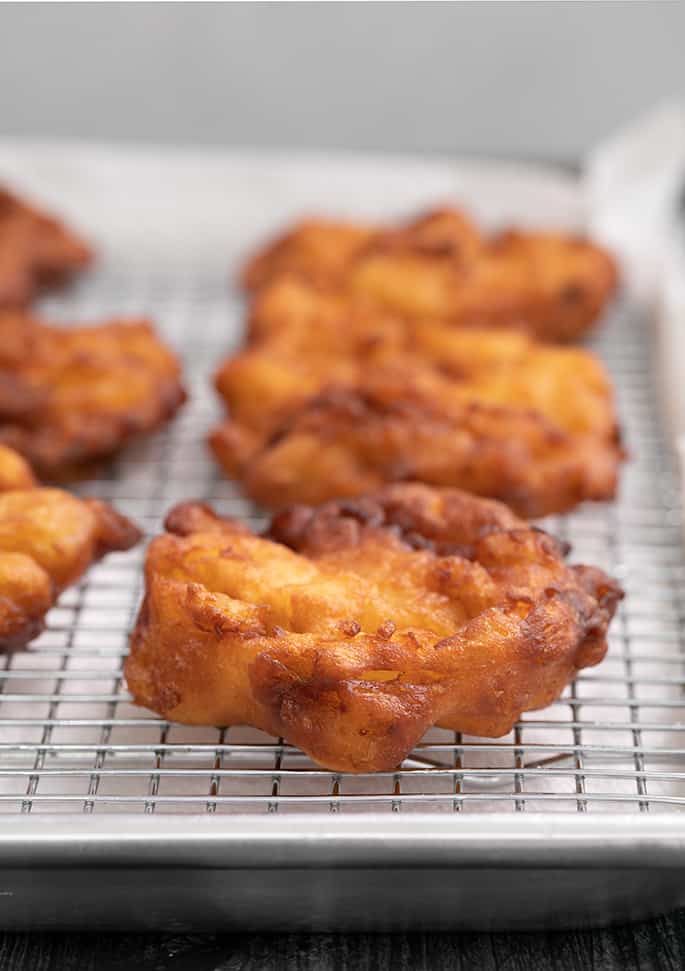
{"x":329,"y":400}
{"x":36,"y":251}
{"x":318,"y":250}
{"x":346,"y":443}
{"x":352,"y":628}
{"x":48,"y":539}
{"x":71,"y":397}
{"x":15,"y":472}
{"x":440,"y":267}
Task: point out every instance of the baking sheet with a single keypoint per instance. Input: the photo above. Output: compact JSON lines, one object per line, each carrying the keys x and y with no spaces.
{"x":172,"y":228}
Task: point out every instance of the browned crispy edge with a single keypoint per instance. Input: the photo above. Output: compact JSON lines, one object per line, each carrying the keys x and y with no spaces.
{"x":564,"y":630}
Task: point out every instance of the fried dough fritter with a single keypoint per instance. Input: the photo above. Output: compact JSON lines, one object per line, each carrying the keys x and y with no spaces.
{"x":36,"y":251}
{"x":330,"y":400}
{"x":70,"y":397}
{"x":350,"y":629}
{"x":48,"y":539}
{"x":317,"y":249}
{"x":439,"y":267}
{"x":15,"y":472}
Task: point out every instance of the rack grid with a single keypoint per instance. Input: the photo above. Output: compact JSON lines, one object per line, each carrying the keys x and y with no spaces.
{"x":72,"y":742}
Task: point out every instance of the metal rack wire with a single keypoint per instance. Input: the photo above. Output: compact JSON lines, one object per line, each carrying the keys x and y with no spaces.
{"x":71,"y":741}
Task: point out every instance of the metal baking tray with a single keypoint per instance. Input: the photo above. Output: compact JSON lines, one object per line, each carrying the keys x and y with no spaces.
{"x":112,"y":817}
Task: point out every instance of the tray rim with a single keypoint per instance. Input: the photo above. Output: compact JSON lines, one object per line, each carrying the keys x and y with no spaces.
{"x":362,"y":840}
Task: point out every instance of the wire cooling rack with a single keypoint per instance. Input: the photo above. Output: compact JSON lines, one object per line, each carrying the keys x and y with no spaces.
{"x":72,"y":742}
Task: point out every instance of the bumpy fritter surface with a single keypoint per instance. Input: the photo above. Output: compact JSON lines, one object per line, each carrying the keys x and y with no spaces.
{"x":352,"y":628}
{"x":36,"y":251}
{"x":15,"y":472}
{"x":439,"y":266}
{"x":72,"y":396}
{"x":48,"y":539}
{"x":329,"y":400}
{"x":317,"y":249}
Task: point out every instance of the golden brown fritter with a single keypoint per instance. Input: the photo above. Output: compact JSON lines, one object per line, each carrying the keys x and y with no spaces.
{"x":439,"y":267}
{"x":354,"y":627}
{"x":70,"y":397}
{"x":15,"y":472}
{"x":319,"y":250}
{"x":36,"y":251}
{"x":347,"y":442}
{"x":48,"y":539}
{"x":330,"y":400}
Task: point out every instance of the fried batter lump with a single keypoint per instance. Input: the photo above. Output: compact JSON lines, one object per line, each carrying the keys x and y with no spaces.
{"x":350,"y":629}
{"x":15,"y":472}
{"x":332,"y":401}
{"x":70,"y":397}
{"x":440,"y":267}
{"x":318,"y":250}
{"x":36,"y":251}
{"x":48,"y":539}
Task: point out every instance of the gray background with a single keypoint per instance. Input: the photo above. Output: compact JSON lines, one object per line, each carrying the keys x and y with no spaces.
{"x":506,"y":79}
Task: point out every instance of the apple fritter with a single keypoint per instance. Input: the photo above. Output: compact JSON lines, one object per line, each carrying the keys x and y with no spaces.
{"x":15,"y":472}
{"x":36,"y":251}
{"x":439,"y":267}
{"x":352,"y":628}
{"x":329,"y":400}
{"x":70,"y":397}
{"x":48,"y":539}
{"x":319,"y":250}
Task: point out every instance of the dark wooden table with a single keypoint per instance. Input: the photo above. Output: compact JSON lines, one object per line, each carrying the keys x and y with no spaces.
{"x":657,"y":944}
